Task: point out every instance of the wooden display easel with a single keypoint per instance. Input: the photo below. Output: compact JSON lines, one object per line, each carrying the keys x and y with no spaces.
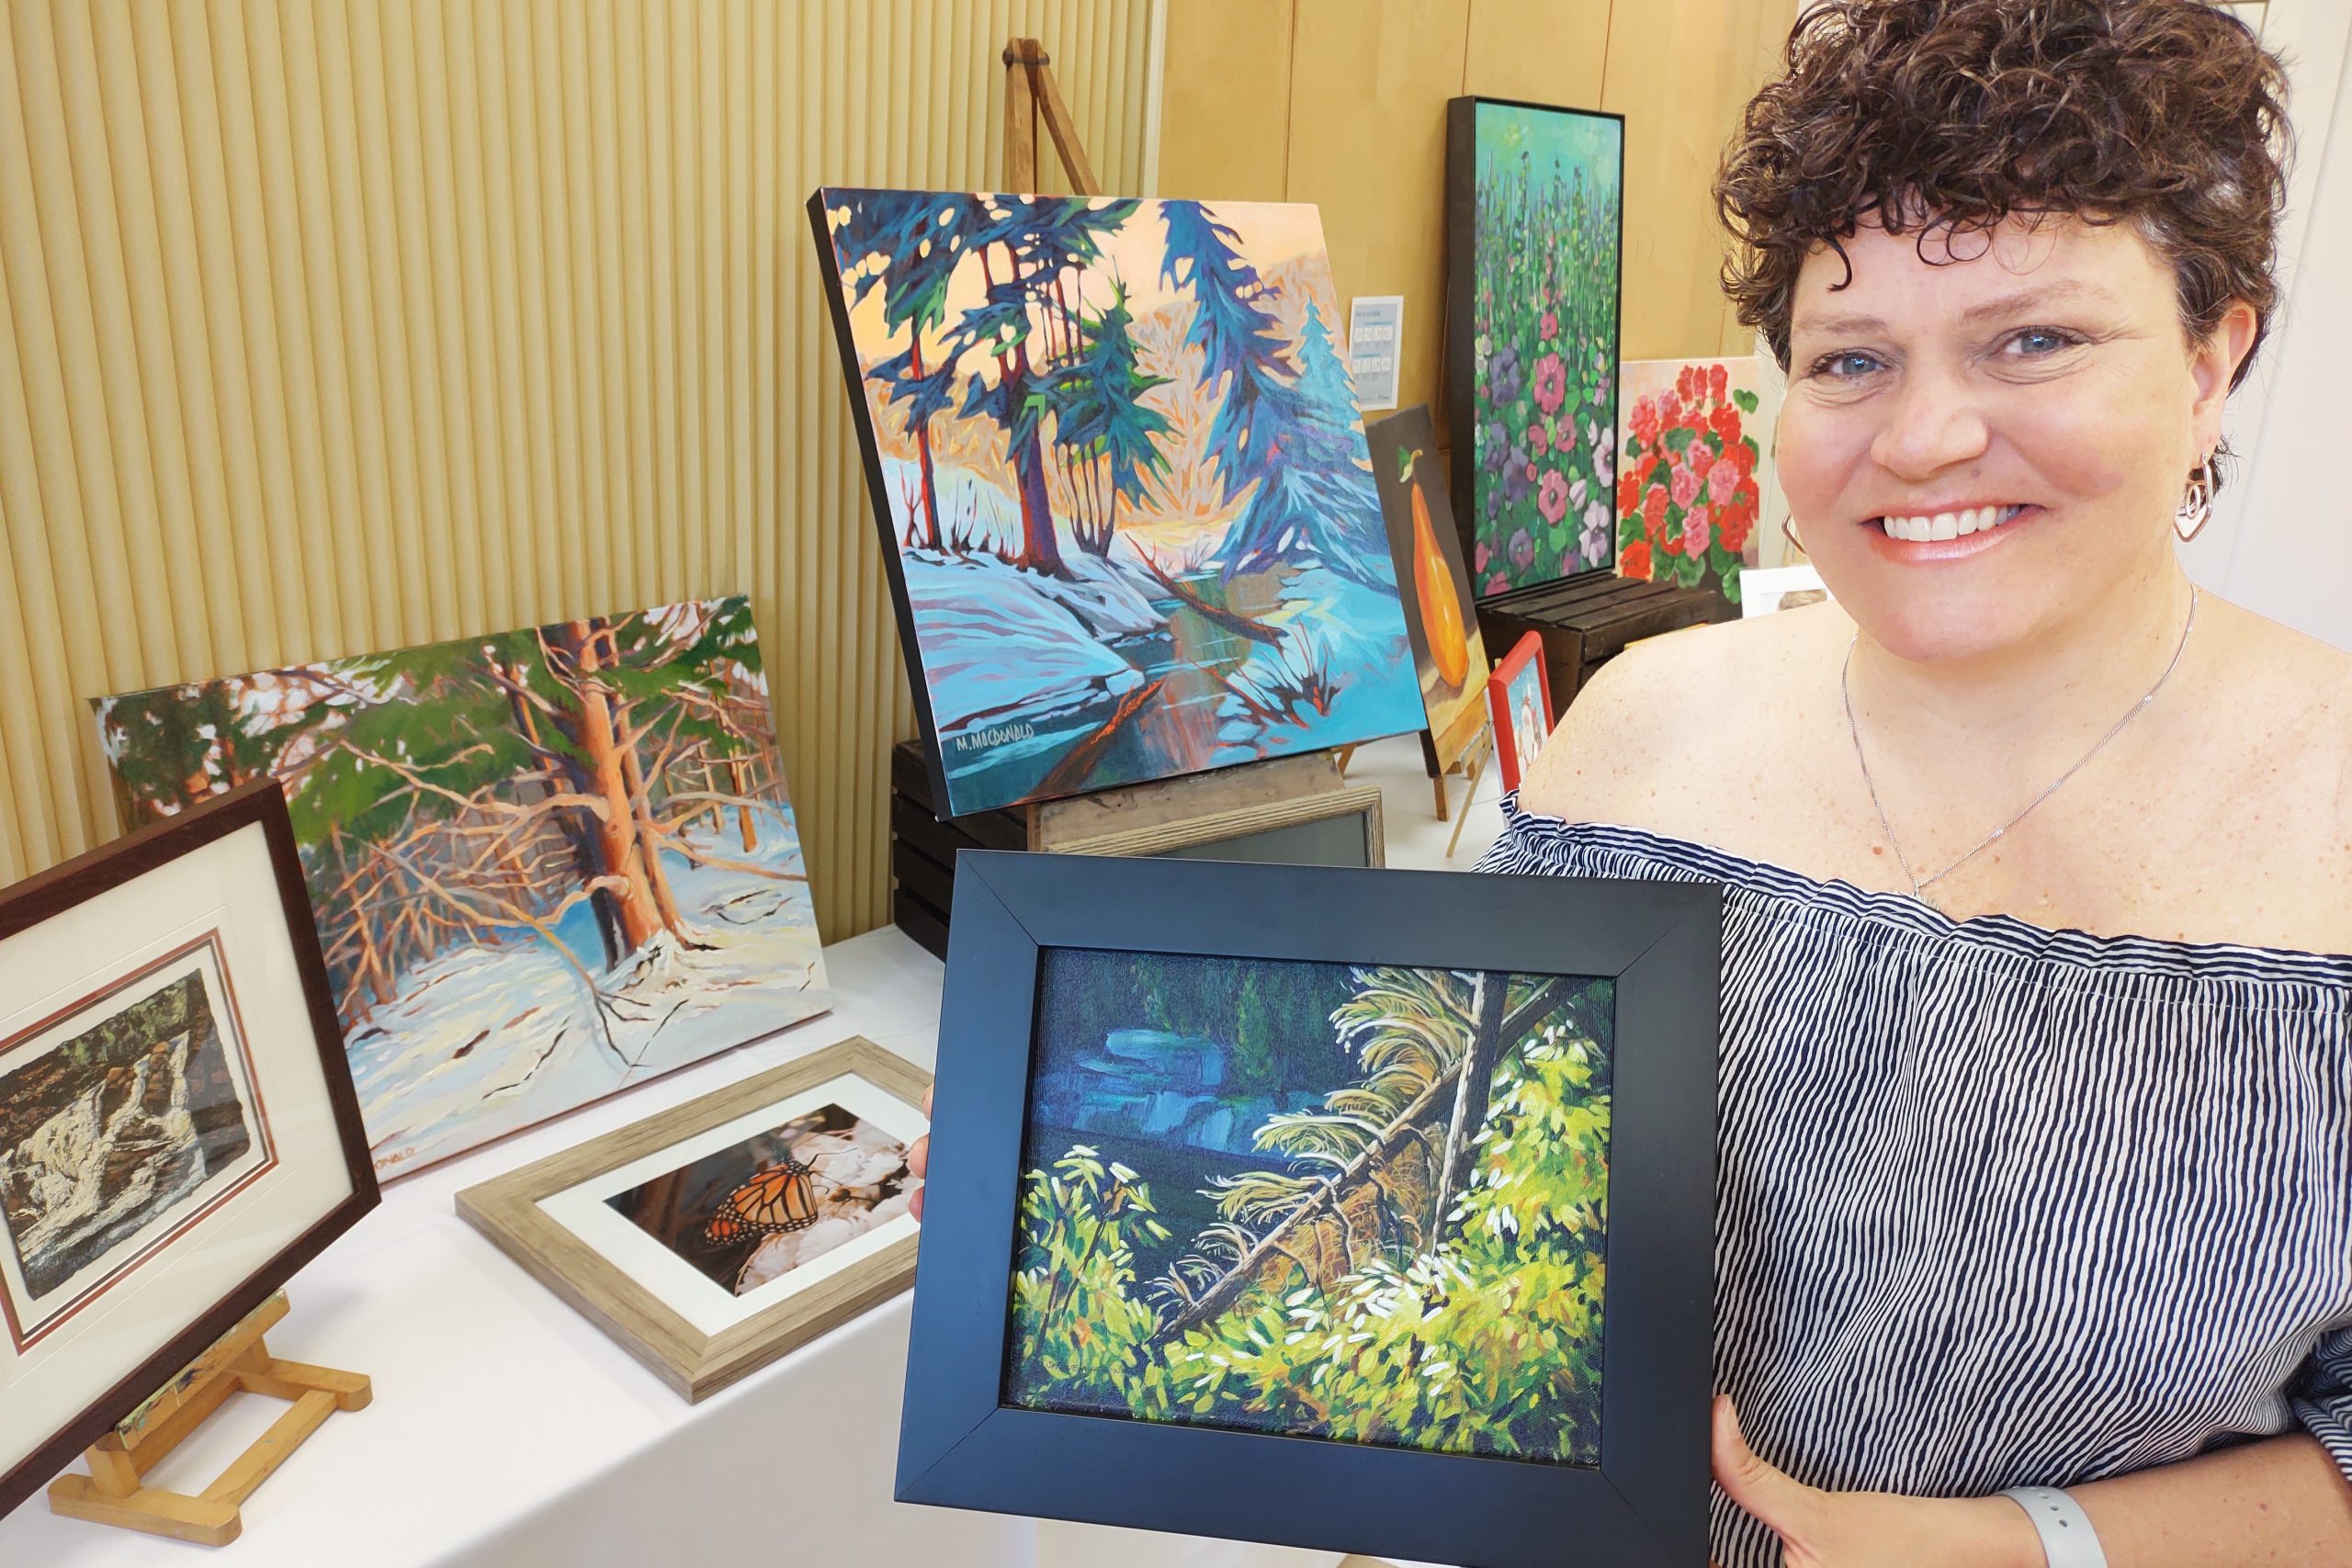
{"x":115,"y":1493}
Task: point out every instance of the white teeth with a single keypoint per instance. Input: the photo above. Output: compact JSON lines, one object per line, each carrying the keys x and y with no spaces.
{"x":1948,"y":524}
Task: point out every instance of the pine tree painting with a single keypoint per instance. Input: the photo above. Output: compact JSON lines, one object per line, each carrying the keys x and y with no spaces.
{"x":544,"y":865}
{"x":1132,"y":521}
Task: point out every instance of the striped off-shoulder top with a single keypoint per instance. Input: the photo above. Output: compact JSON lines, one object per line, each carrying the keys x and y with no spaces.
{"x":2001,"y":1205}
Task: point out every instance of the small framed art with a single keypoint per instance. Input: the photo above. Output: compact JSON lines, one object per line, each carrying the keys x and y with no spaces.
{"x":1518,"y":696}
{"x":1363,"y":1211}
{"x":178,"y":1132}
{"x":712,"y":1238}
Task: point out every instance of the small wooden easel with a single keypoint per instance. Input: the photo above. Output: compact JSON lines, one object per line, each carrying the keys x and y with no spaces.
{"x":114,"y":1494}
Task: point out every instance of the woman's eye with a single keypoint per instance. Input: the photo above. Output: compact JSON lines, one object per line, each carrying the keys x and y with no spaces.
{"x":1844,"y":366}
{"x":2036,"y":341}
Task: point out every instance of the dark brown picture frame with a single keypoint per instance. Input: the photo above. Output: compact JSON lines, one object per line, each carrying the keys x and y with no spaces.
{"x":64,"y":887}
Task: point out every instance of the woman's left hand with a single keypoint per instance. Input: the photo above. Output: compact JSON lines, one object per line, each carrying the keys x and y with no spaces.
{"x":1868,"y":1530}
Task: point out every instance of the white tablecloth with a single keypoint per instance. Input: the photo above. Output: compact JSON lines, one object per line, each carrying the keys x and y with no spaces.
{"x":508,"y":1432}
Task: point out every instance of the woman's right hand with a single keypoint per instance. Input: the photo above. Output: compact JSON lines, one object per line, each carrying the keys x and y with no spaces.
{"x":918,"y":1158}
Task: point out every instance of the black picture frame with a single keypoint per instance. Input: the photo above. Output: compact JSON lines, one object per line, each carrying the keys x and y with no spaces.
{"x":1644,"y":1506}
{"x":1461,"y":331}
{"x":66,"y":886}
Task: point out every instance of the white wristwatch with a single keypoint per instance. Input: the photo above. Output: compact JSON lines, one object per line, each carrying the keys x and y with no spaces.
{"x":2067,"y":1538}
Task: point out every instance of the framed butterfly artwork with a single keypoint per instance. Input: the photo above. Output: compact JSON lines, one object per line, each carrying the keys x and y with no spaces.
{"x":713,"y":1238}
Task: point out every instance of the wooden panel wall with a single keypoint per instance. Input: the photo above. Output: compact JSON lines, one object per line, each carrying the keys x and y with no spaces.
{"x":1342,"y":103}
{"x":333,"y":325}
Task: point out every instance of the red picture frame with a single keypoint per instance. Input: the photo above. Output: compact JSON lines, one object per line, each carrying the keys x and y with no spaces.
{"x":1521,"y":667}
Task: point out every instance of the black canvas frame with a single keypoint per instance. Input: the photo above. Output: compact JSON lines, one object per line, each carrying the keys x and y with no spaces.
{"x":1644,"y":1506}
{"x":64,"y":887}
{"x":1461,"y":331}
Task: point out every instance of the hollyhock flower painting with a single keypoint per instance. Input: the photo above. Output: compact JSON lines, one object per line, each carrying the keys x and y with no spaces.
{"x":1692,"y":444}
{"x":1532,"y":305}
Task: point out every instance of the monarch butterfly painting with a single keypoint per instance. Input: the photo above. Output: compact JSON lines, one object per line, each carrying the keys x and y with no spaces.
{"x":759,"y":1208}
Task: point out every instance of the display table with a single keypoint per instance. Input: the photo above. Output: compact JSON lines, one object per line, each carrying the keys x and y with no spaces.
{"x":508,"y":1432}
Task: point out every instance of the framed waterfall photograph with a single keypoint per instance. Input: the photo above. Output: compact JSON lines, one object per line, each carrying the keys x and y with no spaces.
{"x":178,"y":1130}
{"x":1369,"y":1212}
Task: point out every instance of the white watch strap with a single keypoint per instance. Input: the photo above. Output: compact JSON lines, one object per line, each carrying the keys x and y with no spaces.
{"x":2067,"y":1538}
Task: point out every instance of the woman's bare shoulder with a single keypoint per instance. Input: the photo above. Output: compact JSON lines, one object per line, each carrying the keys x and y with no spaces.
{"x":1663,"y":733}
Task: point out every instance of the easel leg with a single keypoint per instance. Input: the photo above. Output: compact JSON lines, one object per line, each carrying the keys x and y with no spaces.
{"x":1438,"y":785}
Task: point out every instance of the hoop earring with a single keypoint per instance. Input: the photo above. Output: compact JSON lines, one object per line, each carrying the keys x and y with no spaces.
{"x":1788,"y":533}
{"x":2196,"y":503}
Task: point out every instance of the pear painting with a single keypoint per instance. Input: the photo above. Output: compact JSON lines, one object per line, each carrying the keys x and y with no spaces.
{"x":1440,"y":615}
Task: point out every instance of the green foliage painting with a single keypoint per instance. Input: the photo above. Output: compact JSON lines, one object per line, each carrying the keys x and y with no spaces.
{"x":1544,"y":259}
{"x":1365,"y":1204}
{"x":544,"y":863}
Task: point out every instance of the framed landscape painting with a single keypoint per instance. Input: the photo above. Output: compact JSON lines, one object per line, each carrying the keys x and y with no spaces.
{"x":1533,"y":242}
{"x":1695,"y":483}
{"x":546,"y":864}
{"x":1361,"y":1211}
{"x":1127,"y":511}
{"x":714,"y":1237}
{"x":1440,"y":616}
{"x":177,"y":1128}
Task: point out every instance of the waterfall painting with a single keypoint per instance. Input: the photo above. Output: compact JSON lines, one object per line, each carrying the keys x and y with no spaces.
{"x":124,"y":1119}
{"x":756,"y":1210}
{"x":1366,"y":1203}
{"x":1127,"y":511}
{"x":545,"y":863}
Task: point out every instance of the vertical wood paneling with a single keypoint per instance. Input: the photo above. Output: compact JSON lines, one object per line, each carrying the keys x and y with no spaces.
{"x":330,"y":325}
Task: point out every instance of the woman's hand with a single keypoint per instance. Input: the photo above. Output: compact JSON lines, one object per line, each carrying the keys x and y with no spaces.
{"x":918,"y":1158}
{"x":1869,"y":1529}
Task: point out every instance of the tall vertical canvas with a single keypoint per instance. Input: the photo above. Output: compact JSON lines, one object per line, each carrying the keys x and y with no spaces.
{"x":1362,"y":1202}
{"x":1533,"y":242}
{"x":1441,"y":616}
{"x":1128,"y":515}
{"x":1695,"y":483}
{"x":545,"y":863}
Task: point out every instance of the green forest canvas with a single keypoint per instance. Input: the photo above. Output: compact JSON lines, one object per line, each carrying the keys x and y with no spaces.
{"x":1367,"y":1204}
{"x":1543,"y":260}
{"x":1129,"y":511}
{"x":545,"y":863}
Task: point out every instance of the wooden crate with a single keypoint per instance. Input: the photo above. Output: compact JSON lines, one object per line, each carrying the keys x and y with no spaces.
{"x":1587,"y":621}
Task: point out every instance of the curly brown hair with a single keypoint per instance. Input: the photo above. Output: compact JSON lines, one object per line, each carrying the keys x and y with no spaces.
{"x":1950,"y":116}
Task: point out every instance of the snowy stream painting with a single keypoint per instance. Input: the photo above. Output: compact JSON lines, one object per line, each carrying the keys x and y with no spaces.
{"x":122,"y":1121}
{"x":545,"y":863}
{"x":1132,"y":525}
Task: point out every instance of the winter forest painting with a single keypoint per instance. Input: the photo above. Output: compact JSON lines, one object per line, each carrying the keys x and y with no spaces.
{"x":1132,"y":525}
{"x":544,"y":863}
{"x":755,"y":1211}
{"x":1542,"y":261}
{"x":1352,"y":1202}
{"x":121,"y":1121}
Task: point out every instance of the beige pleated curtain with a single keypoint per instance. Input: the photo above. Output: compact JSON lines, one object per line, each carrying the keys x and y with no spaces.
{"x":339,"y":325}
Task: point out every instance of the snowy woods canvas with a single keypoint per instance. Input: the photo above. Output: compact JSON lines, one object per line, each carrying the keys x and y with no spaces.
{"x":1130,"y":519}
{"x":544,"y":863}
{"x":1533,"y":240}
{"x":1361,"y":1203}
{"x":123,"y":1119}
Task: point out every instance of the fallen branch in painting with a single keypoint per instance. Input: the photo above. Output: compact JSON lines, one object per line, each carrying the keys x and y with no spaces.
{"x":1374,"y":1143}
{"x":1232,"y":621}
{"x":1076,"y":769}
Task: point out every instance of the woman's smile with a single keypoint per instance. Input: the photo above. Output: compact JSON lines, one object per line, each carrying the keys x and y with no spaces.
{"x":1947,"y":533}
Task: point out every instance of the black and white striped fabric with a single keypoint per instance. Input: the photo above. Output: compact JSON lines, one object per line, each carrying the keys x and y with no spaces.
{"x":2001,"y":1205}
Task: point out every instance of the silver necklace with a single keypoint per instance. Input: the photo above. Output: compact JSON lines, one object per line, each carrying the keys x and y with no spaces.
{"x":1920,"y":885}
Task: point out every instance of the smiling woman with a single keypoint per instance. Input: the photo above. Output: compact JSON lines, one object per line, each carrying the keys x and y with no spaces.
{"x":2036,"y":1160}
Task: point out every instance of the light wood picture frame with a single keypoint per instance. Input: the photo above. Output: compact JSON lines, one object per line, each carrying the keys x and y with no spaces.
{"x":523,"y":1213}
{"x":1260,"y":832}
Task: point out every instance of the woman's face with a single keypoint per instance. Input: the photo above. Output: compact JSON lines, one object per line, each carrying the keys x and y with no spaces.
{"x":2032,"y":386}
